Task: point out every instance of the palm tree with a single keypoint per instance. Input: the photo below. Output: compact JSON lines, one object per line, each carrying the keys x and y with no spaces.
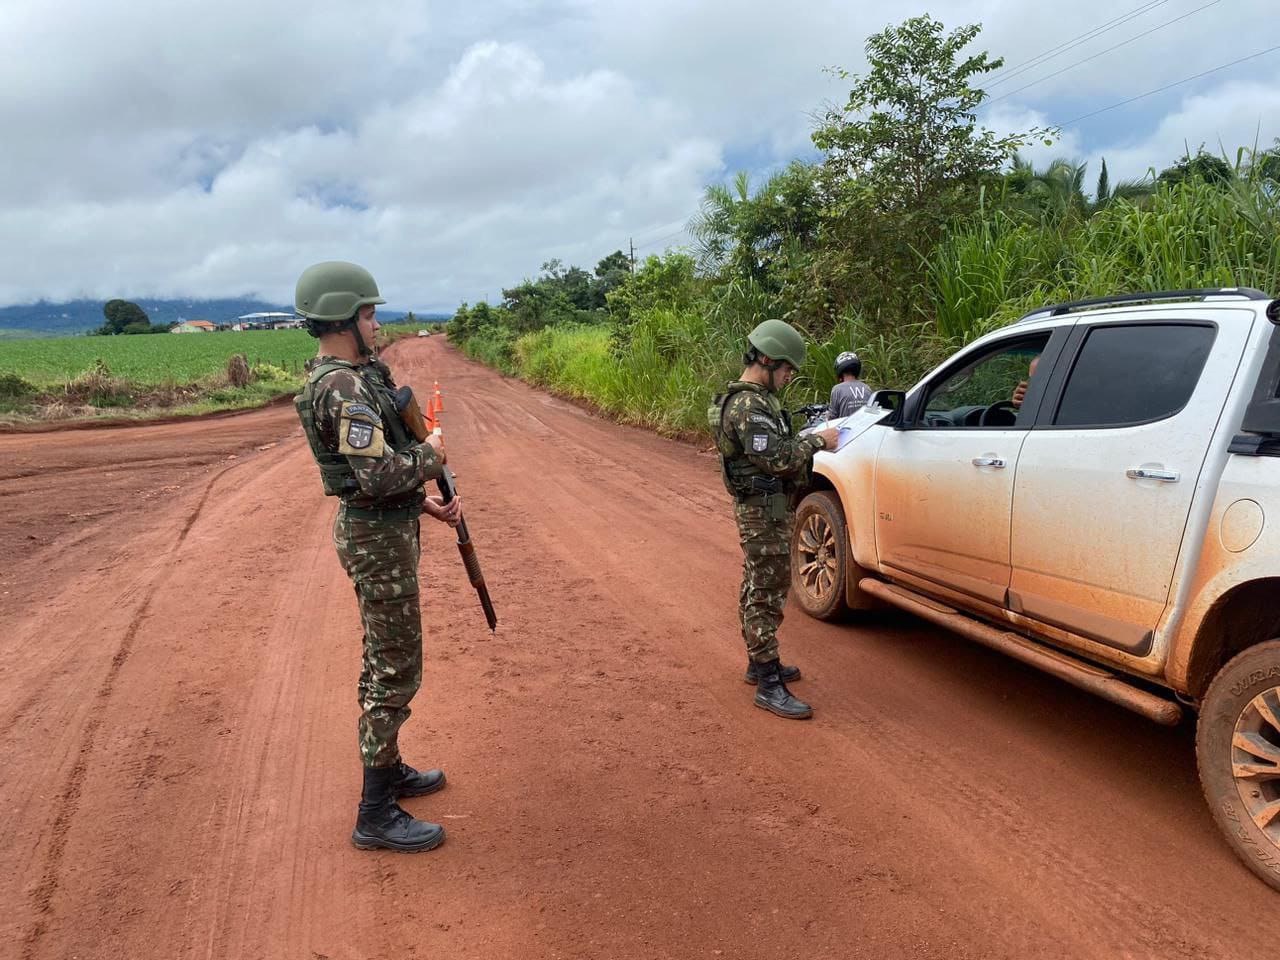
{"x":1133,"y":191}
{"x":1051,"y":194}
{"x":1056,"y":193}
{"x":743,"y":233}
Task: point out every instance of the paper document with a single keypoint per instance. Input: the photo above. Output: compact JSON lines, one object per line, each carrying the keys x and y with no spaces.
{"x":844,"y":435}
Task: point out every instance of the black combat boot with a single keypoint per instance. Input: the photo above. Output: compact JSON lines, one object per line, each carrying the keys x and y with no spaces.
{"x":772,"y":694}
{"x":381,"y":823}
{"x":788,"y":674}
{"x":409,"y":782}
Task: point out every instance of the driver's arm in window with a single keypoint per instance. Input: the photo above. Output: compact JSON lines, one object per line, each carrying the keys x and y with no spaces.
{"x":1020,"y":391}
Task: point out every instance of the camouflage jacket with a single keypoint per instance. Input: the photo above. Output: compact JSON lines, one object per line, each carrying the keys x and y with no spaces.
{"x":366,"y":455}
{"x":754,"y":437}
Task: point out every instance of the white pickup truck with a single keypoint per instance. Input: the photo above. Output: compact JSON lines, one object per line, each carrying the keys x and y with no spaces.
{"x":1094,"y":490}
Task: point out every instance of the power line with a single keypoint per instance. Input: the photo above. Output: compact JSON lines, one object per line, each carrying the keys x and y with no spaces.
{"x":654,"y":243}
{"x":1170,"y":86}
{"x":1101,"y":52}
{"x":665,"y":226}
{"x":1054,"y":52}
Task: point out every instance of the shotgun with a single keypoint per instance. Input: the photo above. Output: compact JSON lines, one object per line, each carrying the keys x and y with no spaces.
{"x":411,"y":415}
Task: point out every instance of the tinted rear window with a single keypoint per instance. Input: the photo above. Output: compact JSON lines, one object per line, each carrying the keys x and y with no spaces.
{"x":1134,"y":374}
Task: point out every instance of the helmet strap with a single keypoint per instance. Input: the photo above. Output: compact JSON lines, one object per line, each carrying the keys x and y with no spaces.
{"x":772,"y":366}
{"x":354,"y":323}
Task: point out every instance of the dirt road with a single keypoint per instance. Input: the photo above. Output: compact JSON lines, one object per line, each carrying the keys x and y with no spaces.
{"x":178,"y":654}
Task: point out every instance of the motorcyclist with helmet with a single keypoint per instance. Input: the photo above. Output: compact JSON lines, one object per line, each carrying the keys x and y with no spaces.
{"x":849,"y":394}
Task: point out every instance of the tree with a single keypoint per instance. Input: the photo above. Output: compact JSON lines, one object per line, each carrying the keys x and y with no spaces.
{"x":1052,"y":194}
{"x":1135,"y":191}
{"x":120,"y":314}
{"x":1265,"y":164}
{"x":909,"y":130}
{"x":753,"y":236}
{"x":904,"y":159}
{"x":611,"y":273}
{"x":1203,"y":166}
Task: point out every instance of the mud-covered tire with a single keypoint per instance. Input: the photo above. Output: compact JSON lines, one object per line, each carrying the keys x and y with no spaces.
{"x":1238,"y":753}
{"x":819,"y":556}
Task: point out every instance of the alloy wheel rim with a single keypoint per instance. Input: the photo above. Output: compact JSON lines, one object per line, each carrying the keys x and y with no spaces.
{"x":1255,"y":762}
{"x":817,"y":548}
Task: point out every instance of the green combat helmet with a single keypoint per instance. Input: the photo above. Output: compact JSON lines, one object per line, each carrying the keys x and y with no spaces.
{"x":330,"y":295}
{"x":779,"y":340}
{"x":332,"y":292}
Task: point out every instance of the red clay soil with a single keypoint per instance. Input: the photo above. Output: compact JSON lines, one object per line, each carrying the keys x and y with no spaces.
{"x":178,"y":656}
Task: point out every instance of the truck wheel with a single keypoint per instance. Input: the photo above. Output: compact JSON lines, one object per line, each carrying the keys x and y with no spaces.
{"x":819,"y":556}
{"x":1238,"y":752}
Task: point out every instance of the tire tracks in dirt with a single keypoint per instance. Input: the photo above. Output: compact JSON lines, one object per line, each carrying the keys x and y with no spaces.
{"x":67,"y":801}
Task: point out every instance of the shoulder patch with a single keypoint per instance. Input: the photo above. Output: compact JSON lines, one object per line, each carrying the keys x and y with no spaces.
{"x":759,"y":442}
{"x":359,"y":434}
{"x":360,"y":430}
{"x":762,"y":419}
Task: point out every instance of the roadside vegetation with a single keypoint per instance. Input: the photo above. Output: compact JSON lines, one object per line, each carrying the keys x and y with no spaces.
{"x":915,"y":232}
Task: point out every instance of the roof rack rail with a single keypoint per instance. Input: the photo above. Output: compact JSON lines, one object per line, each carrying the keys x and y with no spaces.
{"x":1201,"y":293}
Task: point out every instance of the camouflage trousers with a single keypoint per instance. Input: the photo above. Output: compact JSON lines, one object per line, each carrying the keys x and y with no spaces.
{"x":766,"y":577}
{"x":381,"y":558}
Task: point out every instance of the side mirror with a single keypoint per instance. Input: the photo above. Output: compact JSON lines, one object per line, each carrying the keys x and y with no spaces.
{"x":892,"y":400}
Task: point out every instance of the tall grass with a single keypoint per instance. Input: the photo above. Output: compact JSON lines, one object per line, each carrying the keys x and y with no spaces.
{"x":677,"y":360}
{"x":1193,"y":234}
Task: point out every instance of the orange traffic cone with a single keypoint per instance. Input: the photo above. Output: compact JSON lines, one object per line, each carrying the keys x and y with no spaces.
{"x":437,"y":398}
{"x":429,"y":414}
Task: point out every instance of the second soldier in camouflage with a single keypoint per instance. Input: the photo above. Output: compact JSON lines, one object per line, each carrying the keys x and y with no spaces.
{"x":763,"y":463}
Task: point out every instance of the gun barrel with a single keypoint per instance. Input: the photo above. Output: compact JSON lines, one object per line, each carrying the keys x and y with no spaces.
{"x":468,"y":552}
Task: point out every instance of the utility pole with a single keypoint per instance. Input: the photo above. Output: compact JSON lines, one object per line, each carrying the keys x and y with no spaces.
{"x":632,"y":241}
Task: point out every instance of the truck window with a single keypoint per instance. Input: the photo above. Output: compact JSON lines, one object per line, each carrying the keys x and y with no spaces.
{"x":988,"y":391}
{"x":1134,"y":373}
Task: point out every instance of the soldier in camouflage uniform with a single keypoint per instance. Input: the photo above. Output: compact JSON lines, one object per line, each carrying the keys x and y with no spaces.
{"x":763,"y":464}
{"x":377,"y":470}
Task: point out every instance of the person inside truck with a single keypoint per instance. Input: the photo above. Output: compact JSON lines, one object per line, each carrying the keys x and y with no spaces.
{"x":1020,"y":391}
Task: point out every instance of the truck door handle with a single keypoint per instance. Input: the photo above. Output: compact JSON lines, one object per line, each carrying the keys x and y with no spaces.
{"x":1150,"y":473}
{"x":997,"y":462}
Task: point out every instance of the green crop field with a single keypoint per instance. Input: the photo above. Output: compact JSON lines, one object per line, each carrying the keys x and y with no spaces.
{"x":162,"y":358}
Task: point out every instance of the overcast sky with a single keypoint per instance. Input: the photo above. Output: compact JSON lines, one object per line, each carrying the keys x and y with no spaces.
{"x":162,"y":148}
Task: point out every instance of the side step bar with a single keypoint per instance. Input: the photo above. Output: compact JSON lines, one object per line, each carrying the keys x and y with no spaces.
{"x":1076,"y":672}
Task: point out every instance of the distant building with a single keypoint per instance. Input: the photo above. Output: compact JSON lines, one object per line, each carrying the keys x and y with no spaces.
{"x":266,"y":321}
{"x":194,"y":326}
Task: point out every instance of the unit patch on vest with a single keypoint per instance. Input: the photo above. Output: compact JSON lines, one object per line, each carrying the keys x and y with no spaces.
{"x":359,"y":435}
{"x":759,"y":442}
{"x":360,"y":430}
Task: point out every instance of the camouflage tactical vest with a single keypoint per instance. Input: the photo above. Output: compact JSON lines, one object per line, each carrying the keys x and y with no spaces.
{"x":736,"y":470}
{"x":336,"y":474}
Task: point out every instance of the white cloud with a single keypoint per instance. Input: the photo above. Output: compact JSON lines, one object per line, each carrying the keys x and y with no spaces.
{"x":1224,"y":119}
{"x":167,"y":147}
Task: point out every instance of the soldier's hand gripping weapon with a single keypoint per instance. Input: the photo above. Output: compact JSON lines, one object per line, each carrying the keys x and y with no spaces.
{"x":411,"y":414}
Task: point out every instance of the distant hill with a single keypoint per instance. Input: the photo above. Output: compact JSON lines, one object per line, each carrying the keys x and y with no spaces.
{"x":46,"y":319}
